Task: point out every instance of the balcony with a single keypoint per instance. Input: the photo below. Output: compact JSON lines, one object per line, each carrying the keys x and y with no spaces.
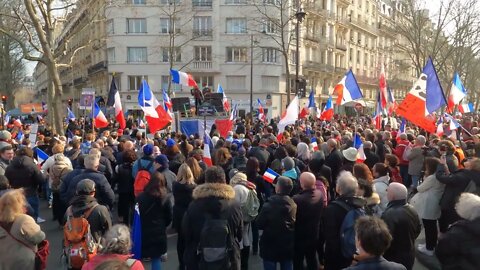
{"x":387,"y":29}
{"x":97,"y":67}
{"x":366,"y":80}
{"x":317,"y":66}
{"x":312,"y":37}
{"x":202,"y":65}
{"x":364,"y":25}
{"x":341,"y":46}
{"x":203,"y":34}
{"x":327,"y":42}
{"x":79,"y":80}
{"x":201,"y":5}
{"x":340,"y":70}
{"x":342,"y":21}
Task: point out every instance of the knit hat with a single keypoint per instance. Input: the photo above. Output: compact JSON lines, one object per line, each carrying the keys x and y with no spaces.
{"x":85,"y":187}
{"x":232,"y":173}
{"x":288,"y":163}
{"x":148,"y":149}
{"x":162,"y":160}
{"x":171,"y":142}
{"x":350,"y":154}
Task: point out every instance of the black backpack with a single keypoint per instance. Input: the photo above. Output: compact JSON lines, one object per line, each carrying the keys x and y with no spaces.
{"x":214,"y":247}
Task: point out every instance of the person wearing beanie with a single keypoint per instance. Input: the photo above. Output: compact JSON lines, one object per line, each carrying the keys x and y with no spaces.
{"x":290,"y":171}
{"x":174,"y":155}
{"x":145,"y":162}
{"x":277,"y":220}
{"x":240,"y":161}
{"x":84,"y":201}
{"x":161,"y":165}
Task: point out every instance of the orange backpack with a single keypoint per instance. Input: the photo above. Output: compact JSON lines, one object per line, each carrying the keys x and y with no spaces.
{"x":142,"y":178}
{"x":78,"y":242}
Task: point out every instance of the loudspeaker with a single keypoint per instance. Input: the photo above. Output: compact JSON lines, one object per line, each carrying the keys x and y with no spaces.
{"x":180,"y":104}
{"x":216,"y":100}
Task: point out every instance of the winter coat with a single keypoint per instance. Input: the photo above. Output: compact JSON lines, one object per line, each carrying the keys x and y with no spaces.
{"x":123,"y":179}
{"x":377,"y":263}
{"x":427,"y":201}
{"x":371,"y":158}
{"x":380,"y":149}
{"x":100,"y":258}
{"x":103,"y":190}
{"x":455,"y":184}
{"x":405,"y":226}
{"x":15,"y":255}
{"x":332,"y":219}
{"x":380,"y":185}
{"x":458,"y":248}
{"x":23,"y":173}
{"x":175,"y":162}
{"x":182,"y":195}
{"x":400,"y":149}
{"x":156,"y":215}
{"x":66,"y":183}
{"x":277,"y":220}
{"x":320,"y":186}
{"x":415,"y":158}
{"x":144,"y":162}
{"x":335,"y":161}
{"x":170,"y":177}
{"x":47,"y":165}
{"x":99,"y":219}
{"x":262,"y":155}
{"x":309,"y":211}
{"x":216,"y":199}
{"x":240,"y":163}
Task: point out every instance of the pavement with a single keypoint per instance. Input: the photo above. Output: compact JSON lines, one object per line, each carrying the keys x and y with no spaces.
{"x":55,"y":236}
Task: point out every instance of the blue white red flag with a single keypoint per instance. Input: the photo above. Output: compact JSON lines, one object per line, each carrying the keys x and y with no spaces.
{"x":270,"y":175}
{"x":183,"y":78}
{"x":347,"y":89}
{"x":207,"y":145}
{"x":100,"y":121}
{"x":156,"y":116}
{"x":457,"y":93}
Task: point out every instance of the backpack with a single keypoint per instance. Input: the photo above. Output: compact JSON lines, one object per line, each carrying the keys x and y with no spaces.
{"x":142,"y":178}
{"x":251,"y":206}
{"x":214,"y":245}
{"x":347,"y":230}
{"x":79,"y":245}
{"x":58,"y":170}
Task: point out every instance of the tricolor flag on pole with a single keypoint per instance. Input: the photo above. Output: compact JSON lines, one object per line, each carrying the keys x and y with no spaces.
{"x":457,"y":93}
{"x":453,"y":123}
{"x":314,"y":144}
{"x":261,"y":113}
{"x":207,"y":143}
{"x":115,"y":101}
{"x":347,"y":89}
{"x":466,"y":108}
{"x":183,"y":78}
{"x":226,"y":104}
{"x":435,"y":97}
{"x":439,"y":130}
{"x":391,"y":103}
{"x":99,"y":119}
{"x":358,"y":144}
{"x":327,"y":113}
{"x":167,"y":102}
{"x":156,"y":116}
{"x":41,"y":156}
{"x":270,"y":175}
{"x":377,"y":118}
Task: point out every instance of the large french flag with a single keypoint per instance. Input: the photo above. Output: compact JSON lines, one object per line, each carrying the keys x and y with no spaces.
{"x":156,"y":116}
{"x":207,"y":144}
{"x":327,"y":113}
{"x":466,"y":108}
{"x":100,"y":121}
{"x":457,"y":93}
{"x":435,"y":98}
{"x":226,"y":104}
{"x":183,"y":78}
{"x":383,"y":88}
{"x":347,"y":89}
{"x":115,"y":101}
{"x":290,"y":117}
{"x":358,"y":144}
{"x":270,"y":175}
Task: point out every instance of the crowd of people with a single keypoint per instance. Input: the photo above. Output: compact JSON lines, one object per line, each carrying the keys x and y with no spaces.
{"x":324,"y":208}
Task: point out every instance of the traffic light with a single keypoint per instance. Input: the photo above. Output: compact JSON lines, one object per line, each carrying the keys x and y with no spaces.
{"x":70,"y":102}
{"x":4,"y":100}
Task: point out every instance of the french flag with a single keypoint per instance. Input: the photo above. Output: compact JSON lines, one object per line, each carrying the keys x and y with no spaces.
{"x":115,"y":101}
{"x":167,"y":102}
{"x":383,"y":88}
{"x":358,"y":144}
{"x":402,"y":127}
{"x":453,"y":123}
{"x":233,"y":113}
{"x":391,"y":103}
{"x":156,"y":116}
{"x":377,"y":118}
{"x":439,"y":130}
{"x":17,"y":123}
{"x":100,"y":121}
{"x":41,"y":156}
{"x":226,"y":104}
{"x":457,"y":93}
{"x":261,"y":113}
{"x":466,"y":108}
{"x":327,"y":113}
{"x":183,"y":78}
{"x":290,"y":116}
{"x":270,"y":175}
{"x":207,"y":143}
{"x":347,"y":89}
{"x":314,"y":144}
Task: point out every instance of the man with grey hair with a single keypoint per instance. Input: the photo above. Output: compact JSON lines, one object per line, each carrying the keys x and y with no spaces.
{"x":105,"y":165}
{"x":333,"y":218}
{"x":404,"y":225}
{"x":104,"y":192}
{"x":416,"y":157}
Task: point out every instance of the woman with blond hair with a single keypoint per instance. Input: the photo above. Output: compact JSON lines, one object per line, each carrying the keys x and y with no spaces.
{"x":182,"y":195}
{"x":223,"y":158}
{"x":18,"y":232}
{"x":196,"y":169}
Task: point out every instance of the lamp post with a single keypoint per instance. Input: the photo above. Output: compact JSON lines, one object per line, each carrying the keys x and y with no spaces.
{"x":251,"y":76}
{"x":300,"y":15}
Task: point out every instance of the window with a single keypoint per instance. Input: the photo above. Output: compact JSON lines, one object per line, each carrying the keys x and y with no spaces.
{"x":110,"y":27}
{"x":269,"y":26}
{"x":202,"y":3}
{"x":170,"y":2}
{"x":270,"y":82}
{"x":204,"y":81}
{"x":136,"y":54}
{"x":134,"y":82}
{"x":177,"y":56}
{"x":111,"y":54}
{"x":236,"y":82}
{"x":273,"y":2}
{"x":233,"y":2}
{"x":358,"y":57}
{"x":236,"y":54}
{"x":173,"y":86}
{"x":166,"y":28}
{"x":269,"y":55}
{"x":236,"y":25}
{"x":202,"y":26}
{"x":136,"y":25}
{"x":203,"y":53}
{"x":137,"y":2}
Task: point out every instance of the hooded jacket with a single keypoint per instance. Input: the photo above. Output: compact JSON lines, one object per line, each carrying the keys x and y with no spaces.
{"x":99,"y":219}
{"x":217,"y":199}
{"x":23,"y":173}
{"x":104,"y":192}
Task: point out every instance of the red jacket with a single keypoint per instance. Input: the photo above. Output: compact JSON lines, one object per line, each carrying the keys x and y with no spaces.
{"x":401,"y":145}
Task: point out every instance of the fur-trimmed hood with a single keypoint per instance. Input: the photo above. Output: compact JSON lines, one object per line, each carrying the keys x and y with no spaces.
{"x":373,"y":200}
{"x":222,"y":191}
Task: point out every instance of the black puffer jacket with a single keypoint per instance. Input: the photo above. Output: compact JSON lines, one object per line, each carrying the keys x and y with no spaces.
{"x":124,"y":179}
{"x":459,"y":247}
{"x":455,"y":184}
{"x":23,"y":173}
{"x":182,"y":195}
{"x":214,"y":198}
{"x":309,"y":211}
{"x":277,"y":220}
{"x":405,"y":226}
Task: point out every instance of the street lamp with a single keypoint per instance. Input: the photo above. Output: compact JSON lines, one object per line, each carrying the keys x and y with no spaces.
{"x":300,"y":15}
